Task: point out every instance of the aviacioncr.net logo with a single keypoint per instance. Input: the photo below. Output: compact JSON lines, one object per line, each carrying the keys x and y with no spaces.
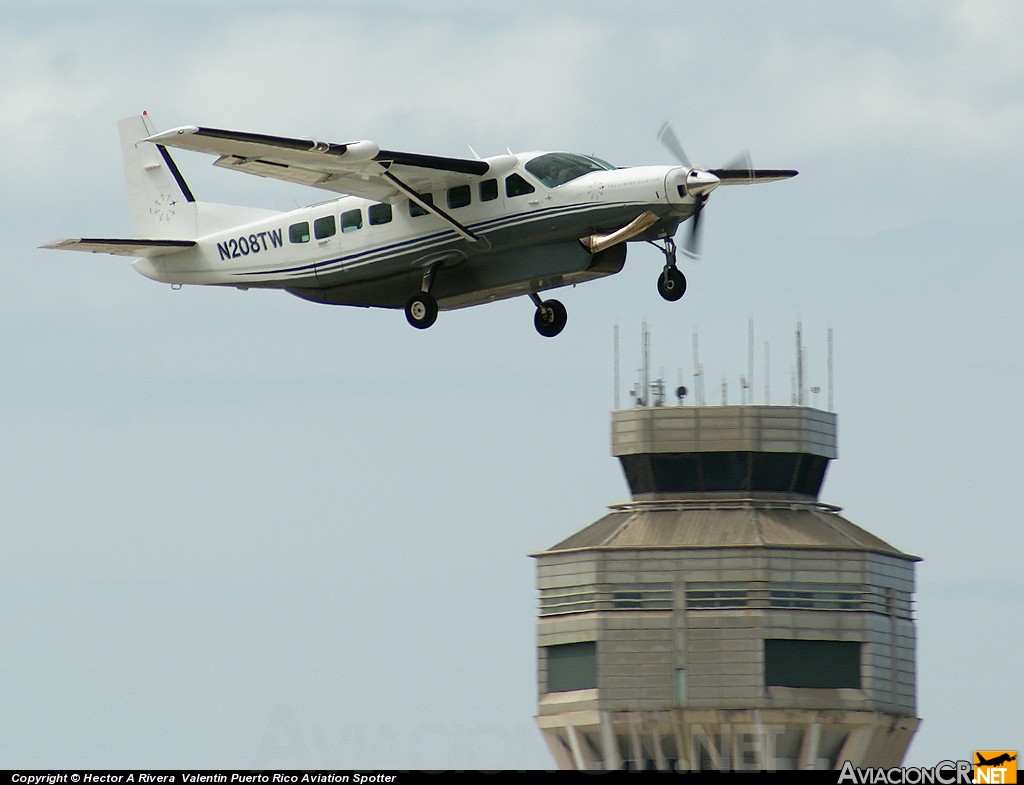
{"x":995,"y":766}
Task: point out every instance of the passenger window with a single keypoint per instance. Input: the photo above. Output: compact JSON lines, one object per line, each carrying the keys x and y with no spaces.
{"x":379,"y":214}
{"x":459,"y":196}
{"x":351,"y":220}
{"x":299,"y":233}
{"x":516,"y":185}
{"x":488,"y":190}
{"x":324,"y":227}
{"x":415,"y":210}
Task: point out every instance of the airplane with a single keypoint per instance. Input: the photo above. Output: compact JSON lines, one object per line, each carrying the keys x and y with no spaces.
{"x":999,"y":760}
{"x":419,"y":232}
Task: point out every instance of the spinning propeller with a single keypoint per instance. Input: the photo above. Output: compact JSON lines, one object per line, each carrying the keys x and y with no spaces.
{"x":701,"y":182}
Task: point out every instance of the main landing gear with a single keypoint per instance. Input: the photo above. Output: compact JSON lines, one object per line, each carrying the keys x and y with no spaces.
{"x":550,"y":317}
{"x":421,"y":308}
{"x":671,"y":282}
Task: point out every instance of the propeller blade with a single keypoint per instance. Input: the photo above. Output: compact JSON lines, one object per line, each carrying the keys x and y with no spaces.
{"x":741,"y":161}
{"x":671,"y":142}
{"x":740,"y":164}
{"x":701,"y":182}
{"x":692,"y":247}
{"x":733,"y":176}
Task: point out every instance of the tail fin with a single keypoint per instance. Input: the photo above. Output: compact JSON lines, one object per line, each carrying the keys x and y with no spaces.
{"x":159,"y":199}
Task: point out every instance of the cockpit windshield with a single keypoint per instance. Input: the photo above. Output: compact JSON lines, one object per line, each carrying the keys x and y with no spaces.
{"x":555,"y":169}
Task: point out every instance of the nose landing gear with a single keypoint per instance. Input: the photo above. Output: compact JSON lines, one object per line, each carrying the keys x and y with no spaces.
{"x":671,"y":282}
{"x":550,"y":317}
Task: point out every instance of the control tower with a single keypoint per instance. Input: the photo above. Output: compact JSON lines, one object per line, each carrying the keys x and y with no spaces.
{"x":725,"y":618}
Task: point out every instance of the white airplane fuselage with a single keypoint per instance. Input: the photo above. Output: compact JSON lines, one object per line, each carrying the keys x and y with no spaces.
{"x":342,"y":252}
{"x":414,"y":231}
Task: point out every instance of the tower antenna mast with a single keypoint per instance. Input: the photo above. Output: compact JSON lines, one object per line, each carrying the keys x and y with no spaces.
{"x":831,"y":402}
{"x":616,"y":372}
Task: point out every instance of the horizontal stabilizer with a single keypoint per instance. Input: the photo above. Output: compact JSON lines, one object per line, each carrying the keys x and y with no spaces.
{"x":122,"y":247}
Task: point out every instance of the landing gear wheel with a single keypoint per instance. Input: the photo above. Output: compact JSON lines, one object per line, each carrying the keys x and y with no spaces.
{"x":671,"y":284}
{"x":421,"y":310}
{"x":550,"y":318}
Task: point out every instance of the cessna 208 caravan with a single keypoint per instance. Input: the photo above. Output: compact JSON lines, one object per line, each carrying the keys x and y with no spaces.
{"x":412,"y":231}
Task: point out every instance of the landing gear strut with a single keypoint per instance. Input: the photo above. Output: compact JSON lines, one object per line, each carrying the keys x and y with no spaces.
{"x":671,"y":282}
{"x":550,"y":317}
{"x":421,"y":308}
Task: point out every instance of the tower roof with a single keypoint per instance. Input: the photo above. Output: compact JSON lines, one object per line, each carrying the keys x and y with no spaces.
{"x":726,"y":524}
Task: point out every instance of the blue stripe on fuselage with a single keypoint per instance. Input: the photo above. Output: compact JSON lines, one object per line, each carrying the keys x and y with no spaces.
{"x":383,"y":252}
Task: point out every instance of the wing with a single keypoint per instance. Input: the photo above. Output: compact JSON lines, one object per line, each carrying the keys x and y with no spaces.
{"x":122,"y":247}
{"x":358,"y":168}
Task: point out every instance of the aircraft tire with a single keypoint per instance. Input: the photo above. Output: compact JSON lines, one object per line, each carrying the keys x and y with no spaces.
{"x":671,"y":284}
{"x":421,"y":310}
{"x":550,"y":318}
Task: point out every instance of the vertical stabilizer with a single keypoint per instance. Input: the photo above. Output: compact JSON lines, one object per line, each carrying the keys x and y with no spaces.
{"x":159,"y":199}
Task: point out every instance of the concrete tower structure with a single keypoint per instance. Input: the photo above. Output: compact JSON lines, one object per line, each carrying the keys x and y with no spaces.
{"x":725,"y":618}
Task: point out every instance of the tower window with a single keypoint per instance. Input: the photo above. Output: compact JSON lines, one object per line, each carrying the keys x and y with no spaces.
{"x":572,"y":666}
{"x":818,"y":664}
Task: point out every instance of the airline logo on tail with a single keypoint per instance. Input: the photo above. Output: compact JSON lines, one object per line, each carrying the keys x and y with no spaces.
{"x":999,"y":766}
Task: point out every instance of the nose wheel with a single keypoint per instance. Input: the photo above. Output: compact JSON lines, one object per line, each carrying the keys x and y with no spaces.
{"x":550,"y":316}
{"x":671,"y":282}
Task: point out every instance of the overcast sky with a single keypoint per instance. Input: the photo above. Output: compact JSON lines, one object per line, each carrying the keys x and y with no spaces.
{"x":243,"y":530}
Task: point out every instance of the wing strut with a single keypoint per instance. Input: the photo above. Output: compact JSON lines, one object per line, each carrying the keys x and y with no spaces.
{"x":430,"y":208}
